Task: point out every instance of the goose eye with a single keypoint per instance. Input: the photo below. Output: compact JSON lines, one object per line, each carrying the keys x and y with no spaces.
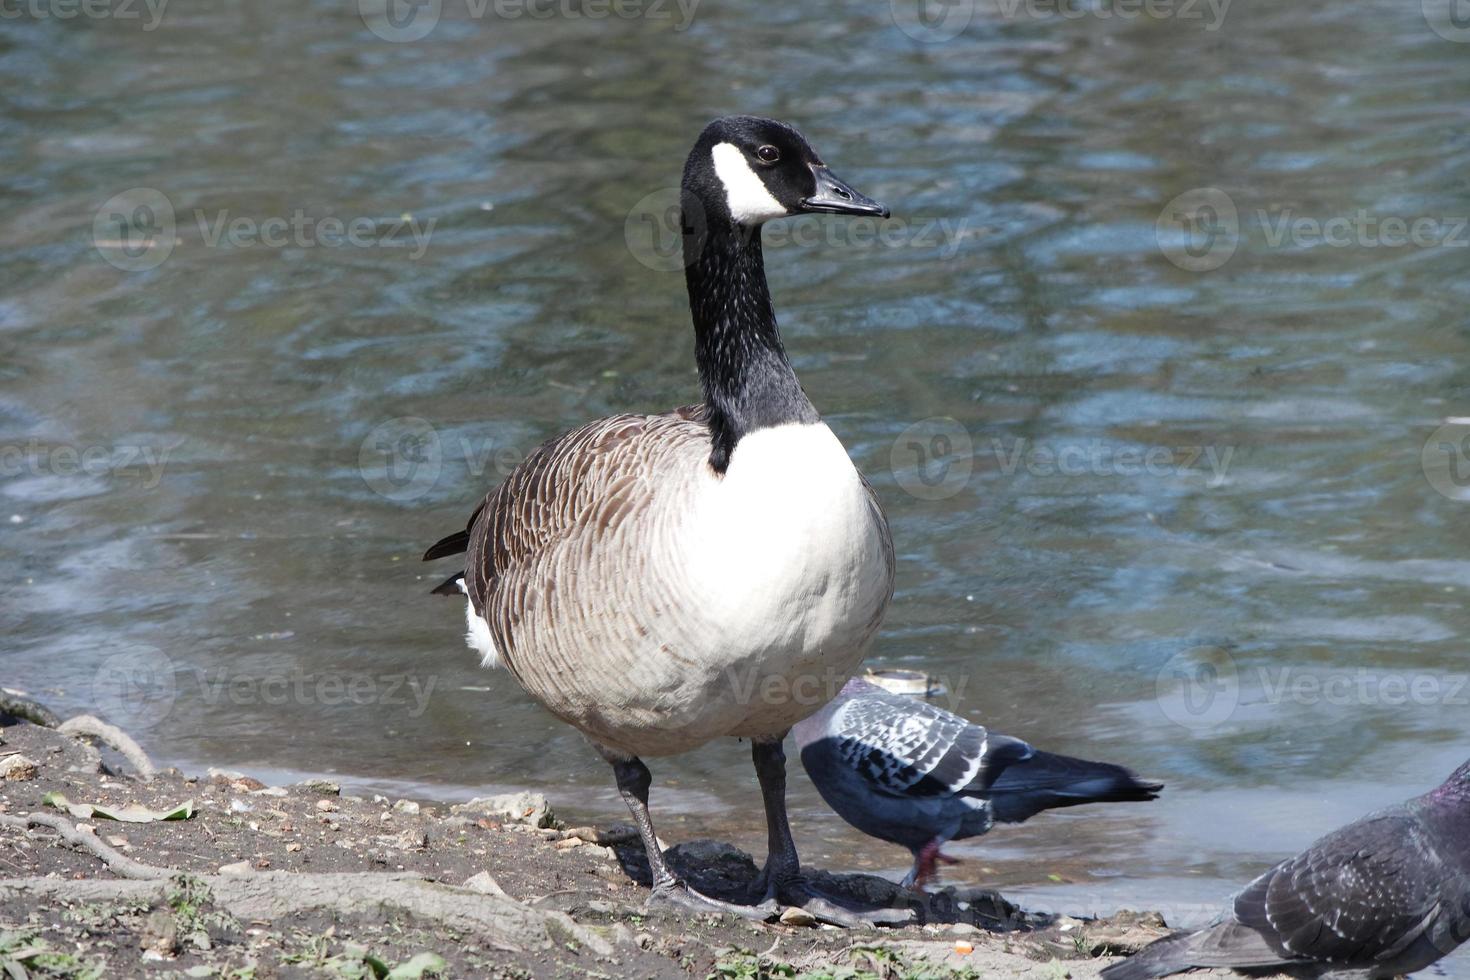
{"x":768,"y":153}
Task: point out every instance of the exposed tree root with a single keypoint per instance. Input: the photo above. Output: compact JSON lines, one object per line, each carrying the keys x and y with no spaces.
{"x":118,"y":863}
{"x":270,"y":895}
{"x":112,"y":736}
{"x":17,"y":705}
{"x":275,"y":894}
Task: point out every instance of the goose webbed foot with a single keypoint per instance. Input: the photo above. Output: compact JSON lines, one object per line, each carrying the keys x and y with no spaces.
{"x":835,"y":909}
{"x":677,"y":894}
{"x":781,"y":880}
{"x":669,"y":891}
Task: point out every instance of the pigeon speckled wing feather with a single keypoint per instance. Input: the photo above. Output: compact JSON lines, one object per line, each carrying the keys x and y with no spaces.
{"x":909,"y":748}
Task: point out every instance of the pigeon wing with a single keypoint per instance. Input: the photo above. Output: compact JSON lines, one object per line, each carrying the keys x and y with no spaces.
{"x":905,"y":747}
{"x":1358,"y":895}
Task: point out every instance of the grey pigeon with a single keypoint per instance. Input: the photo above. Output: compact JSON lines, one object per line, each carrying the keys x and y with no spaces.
{"x":910,"y":773}
{"x":1382,"y":897}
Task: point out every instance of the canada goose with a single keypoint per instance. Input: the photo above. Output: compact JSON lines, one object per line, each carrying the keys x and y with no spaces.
{"x":910,"y":773}
{"x":1385,"y":896}
{"x":659,"y":581}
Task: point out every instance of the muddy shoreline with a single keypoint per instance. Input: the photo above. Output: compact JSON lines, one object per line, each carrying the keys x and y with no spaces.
{"x":285,"y":881}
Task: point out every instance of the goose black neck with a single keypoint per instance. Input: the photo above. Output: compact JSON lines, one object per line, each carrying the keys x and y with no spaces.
{"x":748,"y":383}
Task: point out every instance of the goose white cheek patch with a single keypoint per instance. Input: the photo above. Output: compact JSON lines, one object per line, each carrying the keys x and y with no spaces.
{"x":746,"y":194}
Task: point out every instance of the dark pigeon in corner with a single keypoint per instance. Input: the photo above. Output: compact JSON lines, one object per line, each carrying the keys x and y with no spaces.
{"x":907,"y":772}
{"x":1382,"y":897}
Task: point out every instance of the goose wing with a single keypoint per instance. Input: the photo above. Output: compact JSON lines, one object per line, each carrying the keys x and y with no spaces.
{"x":583,"y":477}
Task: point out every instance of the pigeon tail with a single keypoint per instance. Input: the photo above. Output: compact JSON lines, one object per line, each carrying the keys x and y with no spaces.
{"x":1227,"y":943}
{"x":1046,"y":781}
{"x":1159,"y":958}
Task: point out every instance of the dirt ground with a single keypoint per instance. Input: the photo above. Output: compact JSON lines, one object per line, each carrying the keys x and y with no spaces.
{"x":301,"y":881}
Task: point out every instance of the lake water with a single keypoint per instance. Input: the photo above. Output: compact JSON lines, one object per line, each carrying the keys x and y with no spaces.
{"x":1151,"y":369}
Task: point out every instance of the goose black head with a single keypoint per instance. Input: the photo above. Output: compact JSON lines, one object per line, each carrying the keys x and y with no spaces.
{"x":748,"y":170}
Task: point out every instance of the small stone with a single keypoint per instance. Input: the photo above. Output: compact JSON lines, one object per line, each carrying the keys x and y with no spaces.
{"x":237,"y":868}
{"x":17,"y":768}
{"x":326,"y":806}
{"x":406,"y":806}
{"x":160,"y":935}
{"x":323,"y":787}
{"x":485,"y":884}
{"x":530,"y":809}
{"x":293,"y":846}
{"x":795,"y":916}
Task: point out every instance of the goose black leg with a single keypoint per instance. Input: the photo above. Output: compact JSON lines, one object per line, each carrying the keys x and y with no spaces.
{"x":781,"y":879}
{"x":633,"y":781}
